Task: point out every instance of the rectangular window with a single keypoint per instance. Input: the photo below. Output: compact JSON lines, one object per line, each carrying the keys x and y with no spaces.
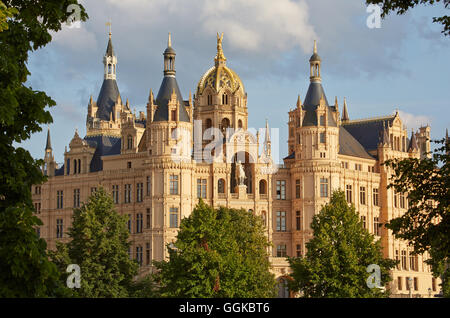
{"x":147,"y":254}
{"x":402,"y":200}
{"x":376,"y":226}
{"x":363,"y":220}
{"x":399,"y":281}
{"x":173,"y":183}
{"x":433,"y":284}
{"x":397,"y":258}
{"x":201,"y":188}
{"x":129,"y":223}
{"x":348,"y":193}
{"x":299,"y":250}
{"x":395,"y":200}
{"x":413,"y":262}
{"x":148,"y":186}
{"x":281,"y":250}
{"x":322,"y":120}
{"x":324,"y":187}
{"x":115,"y":193}
{"x":404,"y":260}
{"x":298,"y":221}
{"x":127,"y":194}
{"x":173,"y":217}
{"x":76,"y":198}
{"x":281,"y":189}
{"x":375,"y":197}
{"x":362,"y":195}
{"x":148,"y":225}
{"x":139,"y":222}
{"x":416,"y":283}
{"x":297,"y":188}
{"x":139,"y":255}
{"x":322,"y":138}
{"x":59,"y":228}
{"x":139,"y":192}
{"x":407,"y":283}
{"x":281,"y":221}
{"x":59,"y":199}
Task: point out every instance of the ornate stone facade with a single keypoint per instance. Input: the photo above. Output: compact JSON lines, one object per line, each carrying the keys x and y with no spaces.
{"x":157,"y":165}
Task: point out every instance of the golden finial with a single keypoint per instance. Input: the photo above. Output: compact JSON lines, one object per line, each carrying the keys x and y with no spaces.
{"x":169,"y":41}
{"x":109,"y":24}
{"x":315,"y":47}
{"x":220,"y":56}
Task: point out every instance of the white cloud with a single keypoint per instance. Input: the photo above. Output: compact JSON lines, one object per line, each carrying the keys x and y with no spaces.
{"x":412,"y":121}
{"x":76,"y":39}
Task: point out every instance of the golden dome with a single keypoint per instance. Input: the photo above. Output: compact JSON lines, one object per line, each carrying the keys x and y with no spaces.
{"x":220,"y":76}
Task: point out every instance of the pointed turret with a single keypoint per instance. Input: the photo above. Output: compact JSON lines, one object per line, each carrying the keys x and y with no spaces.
{"x":345,"y":112}
{"x":109,"y":91}
{"x":413,"y":143}
{"x":169,"y":86}
{"x":48,"y":145}
{"x":314,"y":63}
{"x":299,"y":102}
{"x":385,"y":136}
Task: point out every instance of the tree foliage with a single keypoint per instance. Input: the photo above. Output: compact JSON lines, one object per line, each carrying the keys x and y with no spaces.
{"x":99,"y":245}
{"x":335,"y":264}
{"x":426,"y":223}
{"x":402,"y":6}
{"x":218,"y":253}
{"x":25,"y":26}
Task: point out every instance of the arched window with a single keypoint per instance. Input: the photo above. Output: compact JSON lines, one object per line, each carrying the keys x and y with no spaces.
{"x":208,"y":123}
{"x":283,"y":289}
{"x":239,"y":123}
{"x":129,"y":142}
{"x":174,"y":115}
{"x":225,"y":124}
{"x":221,"y":186}
{"x":75,"y":166}
{"x":225,"y":99}
{"x":262,"y":187}
{"x":79,"y":165}
{"x":209,"y":99}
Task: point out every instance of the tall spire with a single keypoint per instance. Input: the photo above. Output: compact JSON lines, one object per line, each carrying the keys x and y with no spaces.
{"x":110,"y":59}
{"x":48,"y":146}
{"x":345,"y":112}
{"x":220,"y":57}
{"x":169,"y":58}
{"x":267,"y":142}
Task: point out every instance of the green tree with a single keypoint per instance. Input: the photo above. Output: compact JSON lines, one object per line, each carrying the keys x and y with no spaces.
{"x":25,"y":26}
{"x":218,"y":253}
{"x":337,"y":257}
{"x":402,"y":6}
{"x":426,"y":223}
{"x":99,"y":245}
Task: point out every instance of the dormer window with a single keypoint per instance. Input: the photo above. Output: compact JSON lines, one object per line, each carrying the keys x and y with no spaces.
{"x":209,"y":99}
{"x":322,"y":120}
{"x":174,"y":115}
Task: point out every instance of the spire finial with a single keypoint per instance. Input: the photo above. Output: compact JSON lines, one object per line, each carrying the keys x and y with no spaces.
{"x":169,"y":41}
{"x":48,"y":146}
{"x":220,"y":57}
{"x":345,"y":116}
{"x":315,"y":47}
{"x":109,"y":23}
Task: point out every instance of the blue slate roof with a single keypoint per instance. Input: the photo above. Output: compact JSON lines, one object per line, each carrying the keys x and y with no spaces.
{"x":349,"y":146}
{"x":107,"y":98}
{"x":312,"y":100}
{"x":368,"y":132}
{"x":168,"y":85}
{"x":105,"y":146}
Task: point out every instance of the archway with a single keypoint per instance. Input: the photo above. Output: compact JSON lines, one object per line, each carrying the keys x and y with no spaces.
{"x":248,"y":162}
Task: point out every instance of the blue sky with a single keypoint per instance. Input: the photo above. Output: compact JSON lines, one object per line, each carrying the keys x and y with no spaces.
{"x":403,"y":65}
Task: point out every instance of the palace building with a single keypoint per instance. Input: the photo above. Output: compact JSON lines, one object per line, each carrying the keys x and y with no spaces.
{"x":156,"y":183}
